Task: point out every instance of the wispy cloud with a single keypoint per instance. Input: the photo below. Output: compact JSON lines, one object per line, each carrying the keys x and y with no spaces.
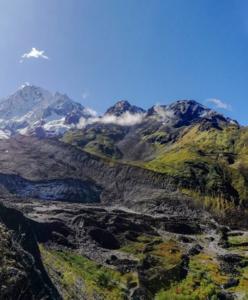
{"x":34,"y":53}
{"x":126,"y":119}
{"x":85,"y":94}
{"x":219,"y":103}
{"x":90,"y":111}
{"x":164,"y":113}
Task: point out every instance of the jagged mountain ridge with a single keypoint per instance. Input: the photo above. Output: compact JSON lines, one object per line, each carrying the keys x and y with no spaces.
{"x":185,"y":112}
{"x":177,"y":113}
{"x":130,"y":133}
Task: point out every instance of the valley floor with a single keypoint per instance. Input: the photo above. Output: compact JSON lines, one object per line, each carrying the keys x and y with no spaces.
{"x":95,"y":252}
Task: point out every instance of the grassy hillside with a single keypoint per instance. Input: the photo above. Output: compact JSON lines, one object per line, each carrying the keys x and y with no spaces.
{"x":210,"y":162}
{"x":76,"y":275}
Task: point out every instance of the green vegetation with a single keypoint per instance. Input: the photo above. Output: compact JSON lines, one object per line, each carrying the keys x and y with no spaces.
{"x":243,"y":282}
{"x":138,"y":247}
{"x":238,"y":240}
{"x":77,"y":275}
{"x":7,"y":257}
{"x":99,"y":141}
{"x":204,"y":278}
{"x":210,"y":163}
{"x":168,"y":252}
{"x":203,"y":281}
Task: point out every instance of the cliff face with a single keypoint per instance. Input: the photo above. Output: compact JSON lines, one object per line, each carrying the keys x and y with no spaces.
{"x":22,"y":273}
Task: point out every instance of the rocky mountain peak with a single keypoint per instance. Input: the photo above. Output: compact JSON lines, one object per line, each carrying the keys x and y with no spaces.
{"x":123,"y":106}
{"x":189,"y":109}
{"x":185,"y":112}
{"x":32,"y":92}
{"x":24,"y":100}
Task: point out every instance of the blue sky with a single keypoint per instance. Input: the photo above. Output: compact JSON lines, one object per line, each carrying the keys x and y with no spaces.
{"x":145,"y":51}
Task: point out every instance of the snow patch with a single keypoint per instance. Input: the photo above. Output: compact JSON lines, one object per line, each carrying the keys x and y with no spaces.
{"x":4,"y":135}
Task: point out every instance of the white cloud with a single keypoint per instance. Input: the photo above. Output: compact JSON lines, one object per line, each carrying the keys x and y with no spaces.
{"x":90,"y":111}
{"x":164,"y":112}
{"x":83,"y":122}
{"x":34,"y":53}
{"x":219,"y":103}
{"x":126,"y":119}
{"x":85,"y":94}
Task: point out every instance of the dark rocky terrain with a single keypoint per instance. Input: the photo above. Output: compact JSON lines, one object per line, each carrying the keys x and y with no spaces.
{"x":140,"y":254}
{"x":22,"y":273}
{"x":139,"y":236}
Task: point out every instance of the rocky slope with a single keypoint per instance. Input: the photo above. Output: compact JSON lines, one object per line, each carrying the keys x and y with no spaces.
{"x":96,"y":179}
{"x":75,"y":175}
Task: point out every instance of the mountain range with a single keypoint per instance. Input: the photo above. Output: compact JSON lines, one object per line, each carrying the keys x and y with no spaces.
{"x":134,"y":204}
{"x":32,"y":110}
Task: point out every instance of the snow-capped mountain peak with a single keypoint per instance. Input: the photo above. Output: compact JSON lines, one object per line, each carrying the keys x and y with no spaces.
{"x":31,"y":106}
{"x":23,"y":101}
